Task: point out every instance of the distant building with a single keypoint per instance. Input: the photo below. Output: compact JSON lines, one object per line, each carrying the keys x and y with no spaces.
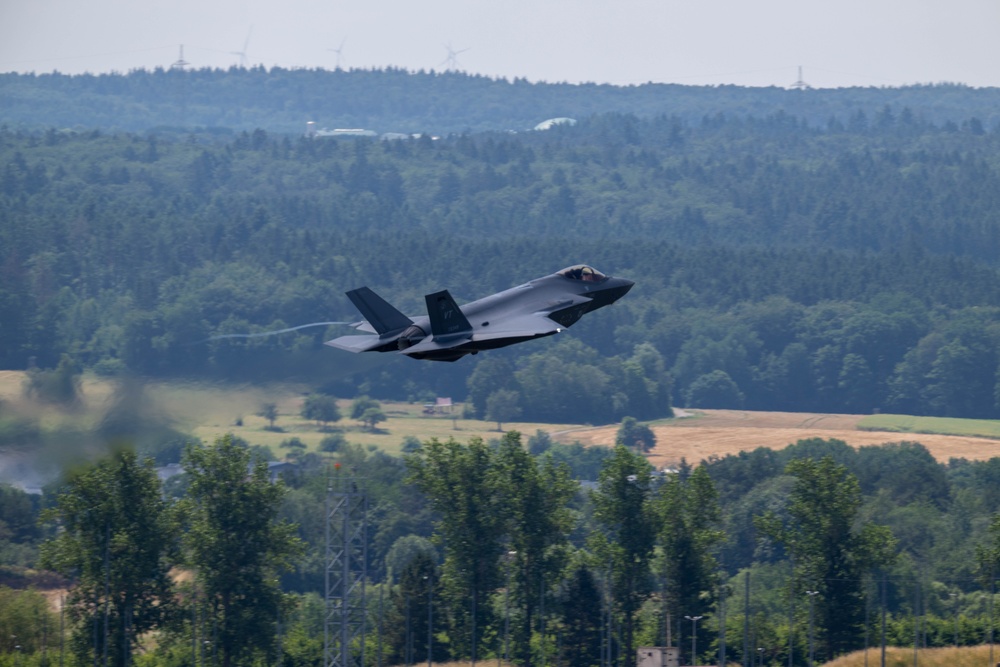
{"x":552,"y":122}
{"x":438,"y":406}
{"x":658,"y":656}
{"x":313,"y":133}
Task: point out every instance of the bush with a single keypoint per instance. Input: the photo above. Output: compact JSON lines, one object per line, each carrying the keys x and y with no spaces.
{"x":292,"y":443}
{"x":332,"y":443}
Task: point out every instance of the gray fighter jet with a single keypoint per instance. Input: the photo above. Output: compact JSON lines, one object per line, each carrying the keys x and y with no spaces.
{"x":539,"y":308}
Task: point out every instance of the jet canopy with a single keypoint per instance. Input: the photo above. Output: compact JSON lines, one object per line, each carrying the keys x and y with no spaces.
{"x":587,"y":274}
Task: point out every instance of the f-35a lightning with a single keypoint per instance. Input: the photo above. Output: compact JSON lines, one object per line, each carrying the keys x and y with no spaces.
{"x":539,"y":308}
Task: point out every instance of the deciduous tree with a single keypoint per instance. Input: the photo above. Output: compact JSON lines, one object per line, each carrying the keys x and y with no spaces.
{"x":116,"y":537}
{"x":460,"y":482}
{"x":535,"y":495}
{"x":624,"y":508}
{"x":832,"y":550}
{"x":236,"y":545}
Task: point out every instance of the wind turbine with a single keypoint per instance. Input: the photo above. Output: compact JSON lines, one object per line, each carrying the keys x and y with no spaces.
{"x":338,"y":50}
{"x":243,"y":54}
{"x":452,"y":60}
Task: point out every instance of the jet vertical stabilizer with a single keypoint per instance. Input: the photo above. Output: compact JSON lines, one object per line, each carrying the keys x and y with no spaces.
{"x":447,"y":319}
{"x":379,"y":313}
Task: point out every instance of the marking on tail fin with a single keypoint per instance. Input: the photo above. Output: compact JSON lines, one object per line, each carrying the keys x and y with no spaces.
{"x":447,"y":319}
{"x":379,"y":313}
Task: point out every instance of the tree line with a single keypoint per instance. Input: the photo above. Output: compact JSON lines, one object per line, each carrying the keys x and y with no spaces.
{"x":779,"y":265}
{"x":222,"y":101}
{"x":498,"y":547}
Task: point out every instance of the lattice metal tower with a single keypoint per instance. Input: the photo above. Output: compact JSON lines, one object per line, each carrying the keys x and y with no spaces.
{"x":346,"y":571}
{"x":800,"y":83}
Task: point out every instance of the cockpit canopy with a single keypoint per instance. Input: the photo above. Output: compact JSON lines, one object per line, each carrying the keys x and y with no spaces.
{"x":587,"y":274}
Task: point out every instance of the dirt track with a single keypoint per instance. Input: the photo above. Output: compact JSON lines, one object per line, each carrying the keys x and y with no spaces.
{"x":722,"y":432}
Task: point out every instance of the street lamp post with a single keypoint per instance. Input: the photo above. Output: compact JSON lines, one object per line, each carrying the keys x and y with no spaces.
{"x":408,"y":639}
{"x":812,"y":598}
{"x":694,"y":637}
{"x":506,"y":609}
{"x":954,"y":604}
{"x":430,"y":617}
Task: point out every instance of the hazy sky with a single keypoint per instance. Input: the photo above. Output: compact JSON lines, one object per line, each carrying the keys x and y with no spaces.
{"x":743,"y":42}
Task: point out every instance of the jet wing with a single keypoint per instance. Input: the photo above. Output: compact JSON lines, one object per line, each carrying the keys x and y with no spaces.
{"x":356,"y":343}
{"x":534,"y":324}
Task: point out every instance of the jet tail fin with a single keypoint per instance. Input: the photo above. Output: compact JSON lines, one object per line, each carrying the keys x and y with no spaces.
{"x":447,"y":319}
{"x":379,"y":313}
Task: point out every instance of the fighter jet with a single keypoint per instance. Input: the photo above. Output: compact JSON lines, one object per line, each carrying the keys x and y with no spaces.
{"x":539,"y":308}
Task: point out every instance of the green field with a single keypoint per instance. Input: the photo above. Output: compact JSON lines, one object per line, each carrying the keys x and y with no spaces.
{"x":984,"y":428}
{"x":208,"y":411}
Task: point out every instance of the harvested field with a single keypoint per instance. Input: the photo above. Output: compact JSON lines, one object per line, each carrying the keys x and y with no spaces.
{"x":720,"y":432}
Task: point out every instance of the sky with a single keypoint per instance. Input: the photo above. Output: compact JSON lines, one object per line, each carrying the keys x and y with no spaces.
{"x":694,"y":42}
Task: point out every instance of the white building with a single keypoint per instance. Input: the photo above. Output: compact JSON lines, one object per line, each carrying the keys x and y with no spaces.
{"x":658,"y":656}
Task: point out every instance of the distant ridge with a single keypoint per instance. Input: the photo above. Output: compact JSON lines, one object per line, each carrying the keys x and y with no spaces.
{"x":396,"y":100}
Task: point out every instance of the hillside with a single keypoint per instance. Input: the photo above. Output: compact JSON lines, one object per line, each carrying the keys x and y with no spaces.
{"x":781,"y":264}
{"x":394,"y":100}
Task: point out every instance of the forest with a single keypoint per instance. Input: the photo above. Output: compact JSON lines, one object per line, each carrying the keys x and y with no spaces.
{"x":819,"y":547}
{"x":824,"y":251}
{"x":779,"y":266}
{"x":281,"y":100}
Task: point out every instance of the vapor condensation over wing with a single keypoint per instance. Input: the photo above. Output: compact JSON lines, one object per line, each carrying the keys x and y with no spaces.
{"x":272,"y":333}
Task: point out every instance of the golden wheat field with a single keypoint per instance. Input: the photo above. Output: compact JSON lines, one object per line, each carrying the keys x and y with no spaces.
{"x":720,"y":432}
{"x":965,"y":656}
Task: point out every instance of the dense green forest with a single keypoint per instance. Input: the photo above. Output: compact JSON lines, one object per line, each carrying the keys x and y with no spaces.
{"x":830,"y":251}
{"x":894,"y":546}
{"x":779,"y":265}
{"x":395,"y":100}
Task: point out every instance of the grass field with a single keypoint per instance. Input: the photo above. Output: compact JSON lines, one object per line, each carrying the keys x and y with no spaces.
{"x":965,"y":656}
{"x":984,"y":428}
{"x":208,"y":411}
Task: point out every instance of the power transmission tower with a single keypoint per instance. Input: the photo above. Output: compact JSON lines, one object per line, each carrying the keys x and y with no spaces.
{"x":800,"y":83}
{"x":346,"y":571}
{"x":180,"y":63}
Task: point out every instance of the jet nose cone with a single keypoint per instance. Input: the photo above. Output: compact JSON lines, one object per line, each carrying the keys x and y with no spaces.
{"x":614,"y":289}
{"x":622,"y":288}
